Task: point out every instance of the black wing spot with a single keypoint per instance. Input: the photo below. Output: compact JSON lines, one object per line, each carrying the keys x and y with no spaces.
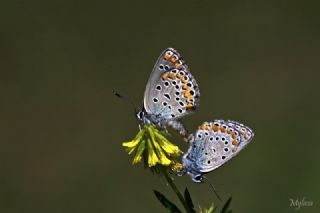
{"x":166,"y":67}
{"x":180,"y":110}
{"x":158,"y":87}
{"x":155,"y":100}
{"x":209,"y":162}
{"x":167,"y":95}
{"x":164,"y":103}
{"x":223,"y":157}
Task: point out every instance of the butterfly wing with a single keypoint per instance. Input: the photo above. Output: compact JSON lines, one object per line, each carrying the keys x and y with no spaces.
{"x":215,"y":143}
{"x":171,"y":91}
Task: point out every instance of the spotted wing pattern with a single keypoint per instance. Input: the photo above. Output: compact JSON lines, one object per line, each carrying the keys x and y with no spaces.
{"x":215,"y":143}
{"x":171,"y":92}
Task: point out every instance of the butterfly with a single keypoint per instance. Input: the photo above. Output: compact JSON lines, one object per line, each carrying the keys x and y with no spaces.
{"x":171,"y":93}
{"x":212,"y":145}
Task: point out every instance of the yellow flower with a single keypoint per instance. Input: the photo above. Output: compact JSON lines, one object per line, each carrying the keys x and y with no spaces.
{"x":151,"y":145}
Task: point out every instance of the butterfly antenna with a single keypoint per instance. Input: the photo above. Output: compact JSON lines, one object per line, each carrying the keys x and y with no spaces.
{"x":206,"y":180}
{"x":125,"y":99}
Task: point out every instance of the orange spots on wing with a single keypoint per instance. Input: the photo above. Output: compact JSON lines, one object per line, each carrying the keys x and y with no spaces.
{"x":215,"y":128}
{"x":177,"y":64}
{"x":171,"y":75}
{"x":173,"y":59}
{"x":164,"y":76}
{"x":222,"y":129}
{"x":183,"y":80}
{"x":187,"y":94}
{"x":167,"y":55}
{"x":204,"y":127}
{"x":234,"y":136}
{"x":234,"y":142}
{"x":185,"y":87}
{"x":190,"y":106}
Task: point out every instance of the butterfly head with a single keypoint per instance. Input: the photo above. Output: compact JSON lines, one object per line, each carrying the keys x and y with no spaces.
{"x":140,"y":115}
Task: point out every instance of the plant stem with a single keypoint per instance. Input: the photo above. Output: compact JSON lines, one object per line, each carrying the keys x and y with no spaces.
{"x":176,"y":190}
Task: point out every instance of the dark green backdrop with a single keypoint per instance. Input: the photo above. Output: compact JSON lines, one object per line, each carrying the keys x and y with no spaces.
{"x":61,"y":129}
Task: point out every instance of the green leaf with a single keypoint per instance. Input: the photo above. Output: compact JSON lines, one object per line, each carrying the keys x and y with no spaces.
{"x":226,"y":206}
{"x":188,"y":200}
{"x":168,"y":204}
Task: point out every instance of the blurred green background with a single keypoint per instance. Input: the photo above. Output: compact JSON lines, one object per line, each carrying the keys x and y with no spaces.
{"x":61,"y":128}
